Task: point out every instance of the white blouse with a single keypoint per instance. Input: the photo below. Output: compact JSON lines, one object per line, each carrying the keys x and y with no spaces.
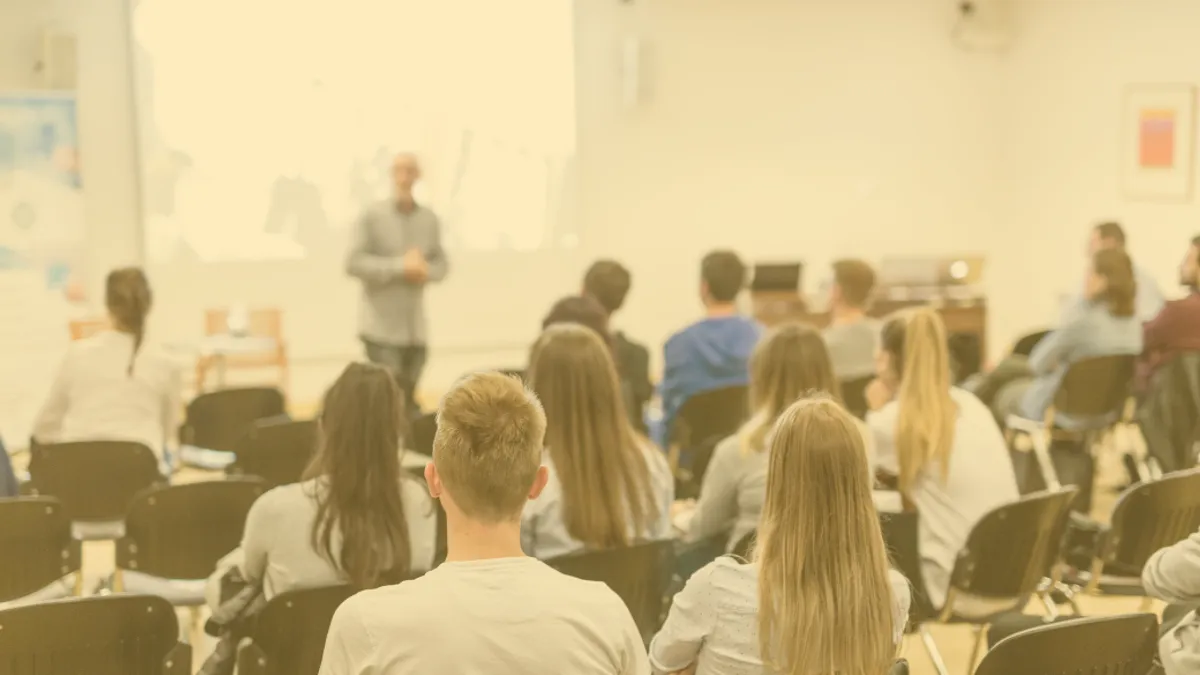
{"x":713,"y":621}
{"x":95,"y":398}
{"x":544,"y":533}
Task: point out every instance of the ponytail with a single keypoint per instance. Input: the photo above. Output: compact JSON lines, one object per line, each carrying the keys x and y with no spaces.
{"x":127,"y":295}
{"x":928,"y":415}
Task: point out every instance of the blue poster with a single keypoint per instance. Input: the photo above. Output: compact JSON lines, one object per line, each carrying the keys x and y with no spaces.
{"x":41,"y":198}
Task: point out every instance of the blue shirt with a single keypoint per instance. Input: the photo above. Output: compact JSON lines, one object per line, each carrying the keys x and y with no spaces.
{"x":710,"y":354}
{"x":1092,"y":331}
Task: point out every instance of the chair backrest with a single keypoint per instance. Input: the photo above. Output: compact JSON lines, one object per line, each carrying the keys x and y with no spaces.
{"x":715,"y":413}
{"x":110,"y":635}
{"x":181,"y":531}
{"x":854,"y":395}
{"x":289,"y":634}
{"x":1096,"y":386}
{"x":1012,"y":548}
{"x":94,"y":480}
{"x":900,"y":535}
{"x":262,"y":322}
{"x":421,"y":433}
{"x":639,"y":574}
{"x":36,"y":547}
{"x":1025,"y":344}
{"x":276,"y":451}
{"x":1150,"y":516}
{"x":219,"y":419}
{"x":1113,"y":645}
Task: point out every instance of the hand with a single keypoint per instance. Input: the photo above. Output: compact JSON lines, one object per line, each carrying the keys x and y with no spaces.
{"x":416,"y":268}
{"x":878,"y":394}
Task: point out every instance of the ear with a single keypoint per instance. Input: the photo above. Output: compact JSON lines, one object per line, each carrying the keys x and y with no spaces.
{"x":433,"y":481}
{"x":539,"y":482}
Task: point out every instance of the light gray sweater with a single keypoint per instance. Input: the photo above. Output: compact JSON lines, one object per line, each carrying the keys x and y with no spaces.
{"x":1173,"y":575}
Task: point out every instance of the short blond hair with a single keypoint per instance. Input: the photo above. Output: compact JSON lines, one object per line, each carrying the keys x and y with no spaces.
{"x":488,"y":445}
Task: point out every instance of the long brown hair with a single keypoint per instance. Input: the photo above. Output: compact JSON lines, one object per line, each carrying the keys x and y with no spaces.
{"x":358,"y":458}
{"x":915,"y":341}
{"x":597,"y":455}
{"x":789,"y":362}
{"x":127,"y":296}
{"x":1120,"y":287}
{"x":825,"y":604}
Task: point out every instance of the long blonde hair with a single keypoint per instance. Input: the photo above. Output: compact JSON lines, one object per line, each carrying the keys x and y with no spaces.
{"x":597,"y":456}
{"x":789,"y":362}
{"x":915,"y":341}
{"x":825,"y":604}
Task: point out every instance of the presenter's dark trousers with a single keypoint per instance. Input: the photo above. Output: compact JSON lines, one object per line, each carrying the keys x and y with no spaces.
{"x":406,"y":363}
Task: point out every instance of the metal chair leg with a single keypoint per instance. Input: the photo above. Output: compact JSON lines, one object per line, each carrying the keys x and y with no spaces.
{"x":931,"y":648}
{"x":980,"y":634}
{"x":1041,"y":450}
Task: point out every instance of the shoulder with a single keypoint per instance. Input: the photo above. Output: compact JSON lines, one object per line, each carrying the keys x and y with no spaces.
{"x":885,"y":417}
{"x":378,"y":610}
{"x":285,"y":498}
{"x":723,"y":577}
{"x":681,"y":338}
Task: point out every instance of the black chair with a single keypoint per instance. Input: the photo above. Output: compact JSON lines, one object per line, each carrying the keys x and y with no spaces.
{"x":1093,"y":393}
{"x":1169,"y":413}
{"x":702,"y":421}
{"x":1113,"y":645}
{"x":421,"y":433}
{"x":288,"y":636}
{"x":854,"y":395}
{"x":1011,"y":554}
{"x":639,"y":574}
{"x":1025,"y":344}
{"x":178,"y":533}
{"x":277,"y":451}
{"x":900,"y":667}
{"x":1147,"y":517}
{"x":94,"y":480}
{"x":114,"y":635}
{"x":219,"y":419}
{"x":901,"y":535}
{"x":36,"y":548}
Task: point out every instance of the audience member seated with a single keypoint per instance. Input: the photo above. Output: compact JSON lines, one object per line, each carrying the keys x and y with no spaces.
{"x":1176,"y":329}
{"x":112,"y":387}
{"x":852,"y":336}
{"x":607,"y":485}
{"x":712,"y":353}
{"x":1108,"y":326}
{"x":1173,"y":575}
{"x":791,"y":361}
{"x":1149,"y":300}
{"x":608,"y":281}
{"x":357,"y":517}
{"x":818,"y":596}
{"x":939,"y":443}
{"x":488,"y":608}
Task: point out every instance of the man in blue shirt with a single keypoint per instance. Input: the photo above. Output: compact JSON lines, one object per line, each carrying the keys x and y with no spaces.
{"x":714,"y":352}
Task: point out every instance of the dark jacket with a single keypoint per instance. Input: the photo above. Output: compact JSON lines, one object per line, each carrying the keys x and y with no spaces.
{"x":633,"y":362}
{"x":1170,"y":413}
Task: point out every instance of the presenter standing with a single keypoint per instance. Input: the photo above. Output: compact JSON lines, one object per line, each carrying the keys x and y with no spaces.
{"x":395,"y":250}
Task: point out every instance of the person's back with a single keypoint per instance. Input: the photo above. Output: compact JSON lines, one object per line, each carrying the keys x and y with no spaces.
{"x":488,"y":609}
{"x":852,"y":337}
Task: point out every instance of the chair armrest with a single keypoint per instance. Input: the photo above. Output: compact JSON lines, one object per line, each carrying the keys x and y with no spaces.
{"x":1024,"y":424}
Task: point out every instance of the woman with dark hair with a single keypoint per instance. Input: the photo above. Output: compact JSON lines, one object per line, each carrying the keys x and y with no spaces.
{"x":112,"y":387}
{"x":1106,"y":326}
{"x":357,"y":517}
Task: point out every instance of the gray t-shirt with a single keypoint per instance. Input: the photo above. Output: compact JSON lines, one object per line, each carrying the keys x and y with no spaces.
{"x":852,"y":348}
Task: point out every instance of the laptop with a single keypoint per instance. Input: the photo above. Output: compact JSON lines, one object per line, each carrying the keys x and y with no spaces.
{"x":777,"y":277}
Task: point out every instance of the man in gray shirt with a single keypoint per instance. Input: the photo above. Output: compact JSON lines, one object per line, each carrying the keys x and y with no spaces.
{"x":852,"y":337}
{"x":395,"y":250}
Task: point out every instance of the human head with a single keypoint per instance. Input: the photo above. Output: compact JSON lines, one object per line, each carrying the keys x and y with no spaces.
{"x":358,"y":458}
{"x":914,"y":360}
{"x":1189,"y":269}
{"x":406,"y":171}
{"x":607,"y":281}
{"x":791,"y":361}
{"x":597,"y":457}
{"x":1106,"y":235}
{"x":853,"y":281}
{"x":487,"y":453}
{"x":1110,"y":280}
{"x":579,"y":309}
{"x":722,"y":276}
{"x":127,"y":297}
{"x":825,"y":602}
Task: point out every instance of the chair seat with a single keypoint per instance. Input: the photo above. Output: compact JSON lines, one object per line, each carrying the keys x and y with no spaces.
{"x":179,"y":592}
{"x":57,"y":590}
{"x":98,"y":530}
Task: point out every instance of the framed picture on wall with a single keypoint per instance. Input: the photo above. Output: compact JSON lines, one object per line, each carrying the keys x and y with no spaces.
{"x":1159,"y":128}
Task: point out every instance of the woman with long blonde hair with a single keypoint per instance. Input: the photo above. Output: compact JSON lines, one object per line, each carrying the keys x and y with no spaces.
{"x":608,"y":486}
{"x":789,"y":363}
{"x":818,"y":598}
{"x":940,"y":443}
